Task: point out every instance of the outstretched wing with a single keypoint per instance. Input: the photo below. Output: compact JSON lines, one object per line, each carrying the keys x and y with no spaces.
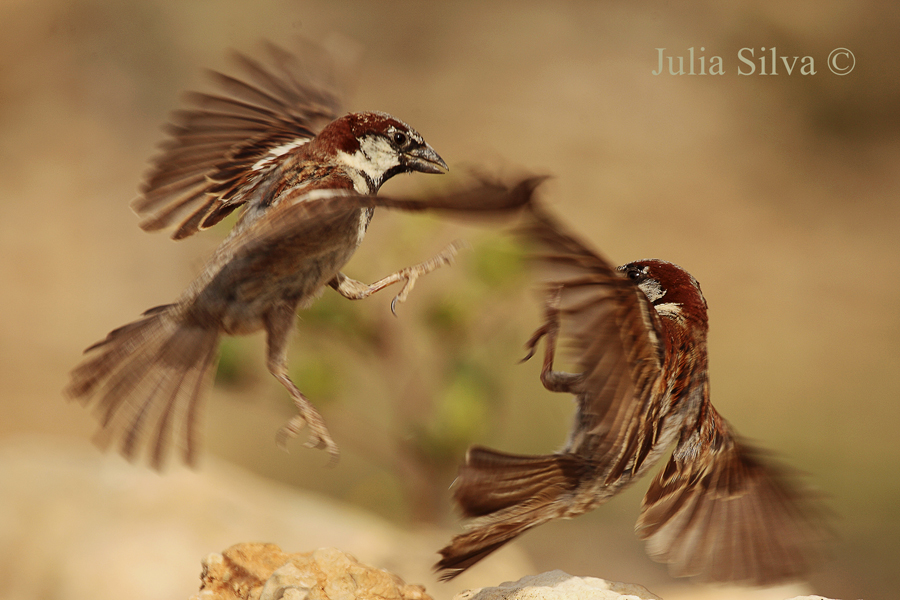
{"x":300,"y":216}
{"x":223,"y":145}
{"x":723,"y":512}
{"x":300,"y":221}
{"x":615,"y":337}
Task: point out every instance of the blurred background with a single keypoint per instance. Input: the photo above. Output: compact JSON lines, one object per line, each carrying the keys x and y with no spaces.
{"x":779,"y":193}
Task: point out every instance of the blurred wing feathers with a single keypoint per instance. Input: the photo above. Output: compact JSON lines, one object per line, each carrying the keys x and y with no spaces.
{"x":219,"y":149}
{"x":730,"y":514}
{"x":295,"y":218}
{"x":614,"y":336}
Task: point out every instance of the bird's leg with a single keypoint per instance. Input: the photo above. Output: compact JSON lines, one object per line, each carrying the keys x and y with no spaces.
{"x":279,"y":324}
{"x":554,"y":381}
{"x":357,"y":290}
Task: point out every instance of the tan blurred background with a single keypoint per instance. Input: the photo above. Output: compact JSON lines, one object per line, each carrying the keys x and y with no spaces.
{"x":779,"y":193}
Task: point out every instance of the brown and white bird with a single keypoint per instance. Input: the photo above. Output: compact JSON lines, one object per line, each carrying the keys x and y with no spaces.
{"x":306,"y":180}
{"x":719,"y":510}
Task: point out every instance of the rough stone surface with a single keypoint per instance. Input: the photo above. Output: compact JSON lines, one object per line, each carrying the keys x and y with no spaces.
{"x":793,"y":591}
{"x":264,"y":572}
{"x":558,"y":585}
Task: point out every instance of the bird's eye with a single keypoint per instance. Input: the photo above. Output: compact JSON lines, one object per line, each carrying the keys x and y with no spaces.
{"x":635,"y":274}
{"x":400,"y":138}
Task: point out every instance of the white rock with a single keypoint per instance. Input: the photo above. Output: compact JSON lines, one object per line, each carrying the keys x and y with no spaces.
{"x":558,"y":585}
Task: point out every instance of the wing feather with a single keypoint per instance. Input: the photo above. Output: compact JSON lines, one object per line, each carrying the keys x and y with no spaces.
{"x":615,"y":337}
{"x":219,"y":148}
{"x":725,"y":512}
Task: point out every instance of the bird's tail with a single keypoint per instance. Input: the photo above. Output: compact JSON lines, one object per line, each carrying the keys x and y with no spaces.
{"x":506,"y":494}
{"x":148,"y":377}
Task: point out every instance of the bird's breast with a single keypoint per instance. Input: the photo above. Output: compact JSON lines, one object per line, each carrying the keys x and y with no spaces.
{"x":240,"y":293}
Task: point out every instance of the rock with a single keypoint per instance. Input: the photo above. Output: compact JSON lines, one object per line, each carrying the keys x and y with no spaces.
{"x":793,"y":591}
{"x":558,"y":585}
{"x":264,"y":572}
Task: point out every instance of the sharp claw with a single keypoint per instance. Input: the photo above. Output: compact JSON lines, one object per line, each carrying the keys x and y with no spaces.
{"x":289,"y":431}
{"x":528,"y":356}
{"x":532,"y":342}
{"x":318,"y":442}
{"x":404,"y":293}
{"x":315,"y":441}
{"x":531,"y":345}
{"x":412,"y":274}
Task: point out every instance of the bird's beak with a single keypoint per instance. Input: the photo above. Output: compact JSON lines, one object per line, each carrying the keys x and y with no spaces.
{"x":425,"y":160}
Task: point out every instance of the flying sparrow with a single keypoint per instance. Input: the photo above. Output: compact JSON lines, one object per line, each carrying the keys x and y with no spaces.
{"x":719,"y":510}
{"x":306,"y":180}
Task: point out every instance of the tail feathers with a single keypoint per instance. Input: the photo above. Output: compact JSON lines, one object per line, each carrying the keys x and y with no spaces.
{"x":148,"y":378}
{"x":468,"y":548}
{"x":508,"y":494}
{"x":492,"y":481}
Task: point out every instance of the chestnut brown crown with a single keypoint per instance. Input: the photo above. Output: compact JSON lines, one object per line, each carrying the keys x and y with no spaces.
{"x":668,"y":287}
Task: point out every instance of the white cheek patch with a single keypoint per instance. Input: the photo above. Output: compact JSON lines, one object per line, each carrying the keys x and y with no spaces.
{"x":281,"y":150}
{"x":375,"y":157}
{"x":669,"y":309}
{"x":652,"y":289}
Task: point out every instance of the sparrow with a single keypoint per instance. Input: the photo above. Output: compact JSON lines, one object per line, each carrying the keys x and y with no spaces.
{"x":720,"y":510}
{"x":305,"y":179}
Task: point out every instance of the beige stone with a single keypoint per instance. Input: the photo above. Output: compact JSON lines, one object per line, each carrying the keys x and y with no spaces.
{"x":558,"y":585}
{"x":256,"y":571}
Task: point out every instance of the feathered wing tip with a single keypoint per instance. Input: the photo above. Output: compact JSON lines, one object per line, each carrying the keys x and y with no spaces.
{"x":743,"y":518}
{"x":482,"y":197}
{"x":222,"y":143}
{"x":507,"y":494}
{"x":148,"y":378}
{"x":297,"y":218}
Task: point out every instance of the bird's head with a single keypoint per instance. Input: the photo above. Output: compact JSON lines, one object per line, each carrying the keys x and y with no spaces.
{"x":375,"y":146}
{"x":670,"y":289}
